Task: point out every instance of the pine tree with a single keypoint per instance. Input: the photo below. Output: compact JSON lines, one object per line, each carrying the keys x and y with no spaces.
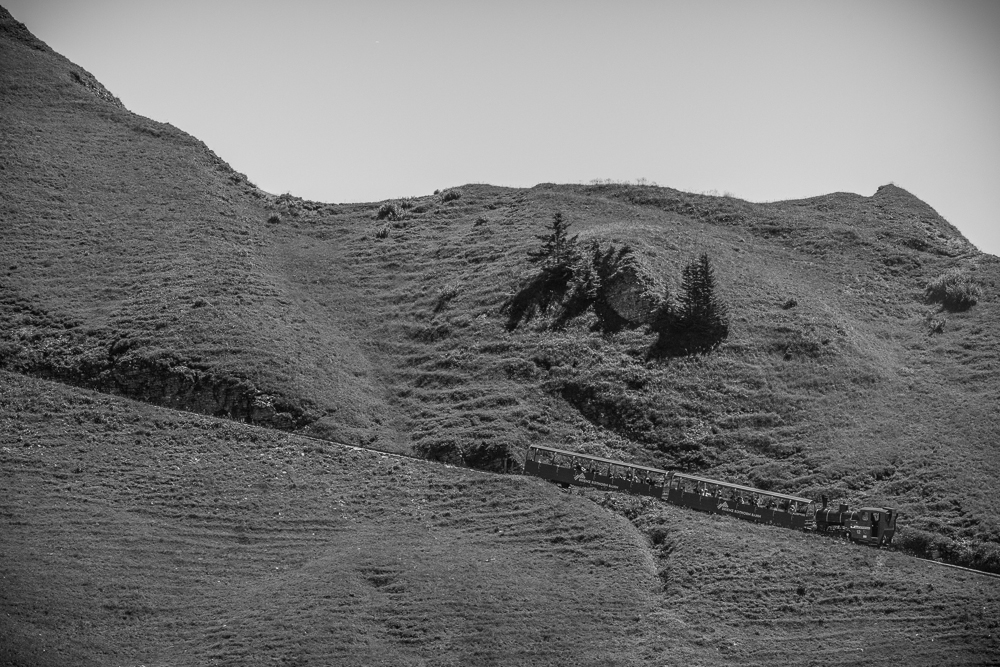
{"x":557,"y":257}
{"x":558,"y":249}
{"x":702,"y":322}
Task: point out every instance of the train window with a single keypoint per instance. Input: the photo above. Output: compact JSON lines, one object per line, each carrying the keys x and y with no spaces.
{"x":864,"y":516}
{"x":875,"y":516}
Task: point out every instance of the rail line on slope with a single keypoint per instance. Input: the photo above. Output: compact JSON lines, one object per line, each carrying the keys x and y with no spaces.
{"x":411,"y":457}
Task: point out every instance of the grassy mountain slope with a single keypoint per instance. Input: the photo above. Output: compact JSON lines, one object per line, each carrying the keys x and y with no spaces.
{"x":848,"y":392}
{"x":133,"y":534}
{"x":135,"y":261}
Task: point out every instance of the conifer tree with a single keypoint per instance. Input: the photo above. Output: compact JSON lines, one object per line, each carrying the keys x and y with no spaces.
{"x":557,"y":257}
{"x":698,"y":322}
{"x":557,"y":249}
{"x":702,"y":322}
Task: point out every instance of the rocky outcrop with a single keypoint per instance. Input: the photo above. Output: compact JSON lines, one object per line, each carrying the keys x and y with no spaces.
{"x":632,"y":292}
{"x":159,"y":378}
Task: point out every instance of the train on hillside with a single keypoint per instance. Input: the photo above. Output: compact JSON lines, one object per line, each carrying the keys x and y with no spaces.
{"x":874,"y":526}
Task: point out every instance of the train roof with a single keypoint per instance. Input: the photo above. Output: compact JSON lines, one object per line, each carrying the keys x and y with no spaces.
{"x":600,"y":459}
{"x":740,"y":487}
{"x":657,"y":471}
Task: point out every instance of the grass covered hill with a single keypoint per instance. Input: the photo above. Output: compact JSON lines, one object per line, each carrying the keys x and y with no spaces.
{"x":133,"y":534}
{"x":169,"y":333}
{"x":135,"y":261}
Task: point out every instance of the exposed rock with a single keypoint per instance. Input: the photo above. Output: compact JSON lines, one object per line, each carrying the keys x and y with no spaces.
{"x":162,"y":379}
{"x":633,"y":293}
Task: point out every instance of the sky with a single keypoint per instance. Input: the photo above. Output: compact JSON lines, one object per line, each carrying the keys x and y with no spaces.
{"x":371,"y":100}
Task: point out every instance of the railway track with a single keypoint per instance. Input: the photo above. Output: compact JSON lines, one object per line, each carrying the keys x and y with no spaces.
{"x":411,"y":457}
{"x":486,"y":472}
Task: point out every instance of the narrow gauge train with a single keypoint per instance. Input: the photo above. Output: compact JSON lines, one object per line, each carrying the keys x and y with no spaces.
{"x":868,"y":525}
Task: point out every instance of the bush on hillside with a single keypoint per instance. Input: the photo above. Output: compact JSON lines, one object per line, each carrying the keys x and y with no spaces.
{"x":976,"y":555}
{"x":447,"y":293}
{"x":954,"y":290}
{"x":935,"y":325}
{"x":388,"y":211}
{"x":450,"y":195}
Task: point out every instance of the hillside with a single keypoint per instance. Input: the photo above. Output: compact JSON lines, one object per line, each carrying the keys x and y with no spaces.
{"x":136,"y":262}
{"x":137,"y":535}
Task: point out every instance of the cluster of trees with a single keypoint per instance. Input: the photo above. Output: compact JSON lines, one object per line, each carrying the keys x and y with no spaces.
{"x":699,"y":322}
{"x":570,"y":280}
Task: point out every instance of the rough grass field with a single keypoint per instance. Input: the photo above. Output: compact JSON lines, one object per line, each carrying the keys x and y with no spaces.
{"x":137,"y":535}
{"x":137,"y":263}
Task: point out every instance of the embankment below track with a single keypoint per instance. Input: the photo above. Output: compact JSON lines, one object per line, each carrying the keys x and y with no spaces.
{"x":132,"y":533}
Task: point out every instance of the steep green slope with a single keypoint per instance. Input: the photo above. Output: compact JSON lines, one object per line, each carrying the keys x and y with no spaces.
{"x":838,"y":377}
{"x":132,"y":534}
{"x":132,"y":262}
{"x":136,"y":262}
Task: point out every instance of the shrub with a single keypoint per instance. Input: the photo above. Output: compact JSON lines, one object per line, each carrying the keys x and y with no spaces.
{"x":383,"y":232}
{"x":274,"y":218}
{"x":447,"y":293}
{"x":974,"y":554}
{"x":935,"y":324}
{"x":388,"y":211}
{"x":658,"y":535}
{"x":450,"y":195}
{"x":954,"y":290}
